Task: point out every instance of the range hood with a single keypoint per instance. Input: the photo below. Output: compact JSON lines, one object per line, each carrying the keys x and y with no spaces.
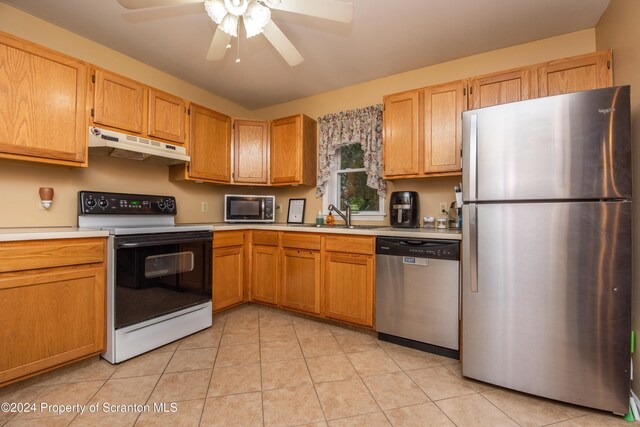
{"x":111,"y":143}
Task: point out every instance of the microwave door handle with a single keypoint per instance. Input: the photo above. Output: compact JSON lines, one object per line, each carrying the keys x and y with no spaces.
{"x":262,"y":208}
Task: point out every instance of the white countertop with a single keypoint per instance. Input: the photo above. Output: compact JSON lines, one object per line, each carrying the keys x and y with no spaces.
{"x":42,"y":233}
{"x":377,"y":231}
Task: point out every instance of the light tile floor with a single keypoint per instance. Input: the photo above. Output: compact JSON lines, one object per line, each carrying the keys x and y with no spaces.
{"x":260,"y":366}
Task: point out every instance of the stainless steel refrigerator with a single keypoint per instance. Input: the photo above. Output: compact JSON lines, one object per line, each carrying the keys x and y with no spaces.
{"x":547,"y":247}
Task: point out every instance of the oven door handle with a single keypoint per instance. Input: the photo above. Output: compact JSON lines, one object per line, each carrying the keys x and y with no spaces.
{"x":151,"y":241}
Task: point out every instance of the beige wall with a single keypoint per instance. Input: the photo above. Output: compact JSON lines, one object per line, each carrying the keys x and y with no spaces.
{"x":434,"y":190}
{"x":618,"y":29}
{"x":19,"y":182}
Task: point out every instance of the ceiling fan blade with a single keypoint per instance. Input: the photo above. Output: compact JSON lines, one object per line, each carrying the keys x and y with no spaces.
{"x":143,"y":4}
{"x":334,"y":10}
{"x":218,"y":48}
{"x":282,"y":44}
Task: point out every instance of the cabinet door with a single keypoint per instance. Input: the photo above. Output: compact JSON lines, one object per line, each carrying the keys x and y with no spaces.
{"x":264,"y":272}
{"x":166,"y":116}
{"x":442,"y":121}
{"x":503,"y":87}
{"x":300,"y":280}
{"x":118,"y":102}
{"x":209,"y":145}
{"x":228,"y":277}
{"x":401,"y":149}
{"x":42,"y":104}
{"x":50,"y":317}
{"x":584,"y":72}
{"x":250,"y":152}
{"x":286,"y":150}
{"x":348,"y":287}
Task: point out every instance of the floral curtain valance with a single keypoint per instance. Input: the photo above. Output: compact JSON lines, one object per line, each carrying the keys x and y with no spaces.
{"x":362,"y":125}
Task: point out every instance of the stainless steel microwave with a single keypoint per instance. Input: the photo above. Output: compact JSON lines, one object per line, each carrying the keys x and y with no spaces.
{"x":243,"y":208}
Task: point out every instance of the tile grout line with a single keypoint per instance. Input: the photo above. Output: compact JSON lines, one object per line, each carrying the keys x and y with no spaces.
{"x":260,"y":365}
{"x":204,"y":403}
{"x":492,"y":404}
{"x":363,"y":382}
{"x":313,"y":384}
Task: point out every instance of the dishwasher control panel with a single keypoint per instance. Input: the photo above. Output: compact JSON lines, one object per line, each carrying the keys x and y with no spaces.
{"x":419,"y":248}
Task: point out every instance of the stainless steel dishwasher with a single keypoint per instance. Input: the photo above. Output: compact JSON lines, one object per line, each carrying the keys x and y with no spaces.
{"x":418,"y":293}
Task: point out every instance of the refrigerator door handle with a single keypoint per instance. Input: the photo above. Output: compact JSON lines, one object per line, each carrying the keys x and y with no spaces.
{"x":473,"y":157}
{"x":473,"y":248}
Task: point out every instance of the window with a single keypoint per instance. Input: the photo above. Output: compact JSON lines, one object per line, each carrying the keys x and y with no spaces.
{"x":347,"y":185}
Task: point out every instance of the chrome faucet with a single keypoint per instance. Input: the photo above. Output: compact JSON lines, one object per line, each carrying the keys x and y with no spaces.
{"x":347,"y":217}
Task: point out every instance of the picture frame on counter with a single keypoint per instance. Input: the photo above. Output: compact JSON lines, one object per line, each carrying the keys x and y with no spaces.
{"x":296,"y":211}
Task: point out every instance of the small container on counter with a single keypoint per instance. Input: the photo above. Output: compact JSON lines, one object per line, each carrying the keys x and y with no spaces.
{"x":330,"y":219}
{"x":442,"y":222}
{"x":319,"y":218}
{"x":429,"y":222}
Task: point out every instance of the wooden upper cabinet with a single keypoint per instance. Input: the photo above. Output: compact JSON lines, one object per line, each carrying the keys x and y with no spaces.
{"x":293,"y":150}
{"x":119,"y":102}
{"x":209,"y":145}
{"x":442,"y":109}
{"x":43,"y":116}
{"x":166,"y":116}
{"x":250,"y":152}
{"x":584,"y":72}
{"x":401,"y":148}
{"x":502,"y":87}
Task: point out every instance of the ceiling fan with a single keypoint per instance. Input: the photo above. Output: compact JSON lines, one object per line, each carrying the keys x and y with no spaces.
{"x":256,"y":17}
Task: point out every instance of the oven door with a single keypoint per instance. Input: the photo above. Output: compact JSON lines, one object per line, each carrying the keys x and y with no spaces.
{"x":157,"y":274}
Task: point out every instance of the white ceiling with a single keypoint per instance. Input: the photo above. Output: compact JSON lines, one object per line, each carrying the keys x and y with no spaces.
{"x":386,"y":37}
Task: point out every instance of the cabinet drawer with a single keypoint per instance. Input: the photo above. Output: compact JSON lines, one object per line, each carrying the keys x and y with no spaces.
{"x":223,"y":239}
{"x":29,"y":255}
{"x":350,"y":244}
{"x":265,"y":238}
{"x":301,"y":241}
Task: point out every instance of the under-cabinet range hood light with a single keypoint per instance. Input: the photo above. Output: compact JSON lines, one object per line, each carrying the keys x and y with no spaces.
{"x":116,"y":144}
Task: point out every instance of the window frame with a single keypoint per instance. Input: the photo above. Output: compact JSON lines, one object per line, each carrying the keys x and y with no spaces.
{"x":331,"y":193}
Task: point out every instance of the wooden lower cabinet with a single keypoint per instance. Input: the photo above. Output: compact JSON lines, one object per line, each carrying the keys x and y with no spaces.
{"x":300,"y":280}
{"x":228,"y":276}
{"x":264,"y":274}
{"x":50,"y":316}
{"x":348,"y":287}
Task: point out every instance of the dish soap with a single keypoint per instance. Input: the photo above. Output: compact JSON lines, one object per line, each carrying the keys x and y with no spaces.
{"x":319,"y":219}
{"x":330,"y":219}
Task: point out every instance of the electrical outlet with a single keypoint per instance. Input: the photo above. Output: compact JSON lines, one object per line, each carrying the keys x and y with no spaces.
{"x":443,"y":207}
{"x":204,"y":207}
{"x":279,"y":208}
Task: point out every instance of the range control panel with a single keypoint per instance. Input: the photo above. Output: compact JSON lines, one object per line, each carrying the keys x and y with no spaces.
{"x":91,"y":202}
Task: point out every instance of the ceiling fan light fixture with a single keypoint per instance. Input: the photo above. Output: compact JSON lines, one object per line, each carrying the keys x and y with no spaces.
{"x":229,"y":25}
{"x":216,"y":10}
{"x":271,"y":3}
{"x":255,"y":19}
{"x":236,"y":7}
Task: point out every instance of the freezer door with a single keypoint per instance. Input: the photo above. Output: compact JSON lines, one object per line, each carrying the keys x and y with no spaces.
{"x":573,"y":146}
{"x":550,"y":314}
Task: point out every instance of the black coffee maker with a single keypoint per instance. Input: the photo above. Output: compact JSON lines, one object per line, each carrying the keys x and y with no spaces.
{"x":404,"y":209}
